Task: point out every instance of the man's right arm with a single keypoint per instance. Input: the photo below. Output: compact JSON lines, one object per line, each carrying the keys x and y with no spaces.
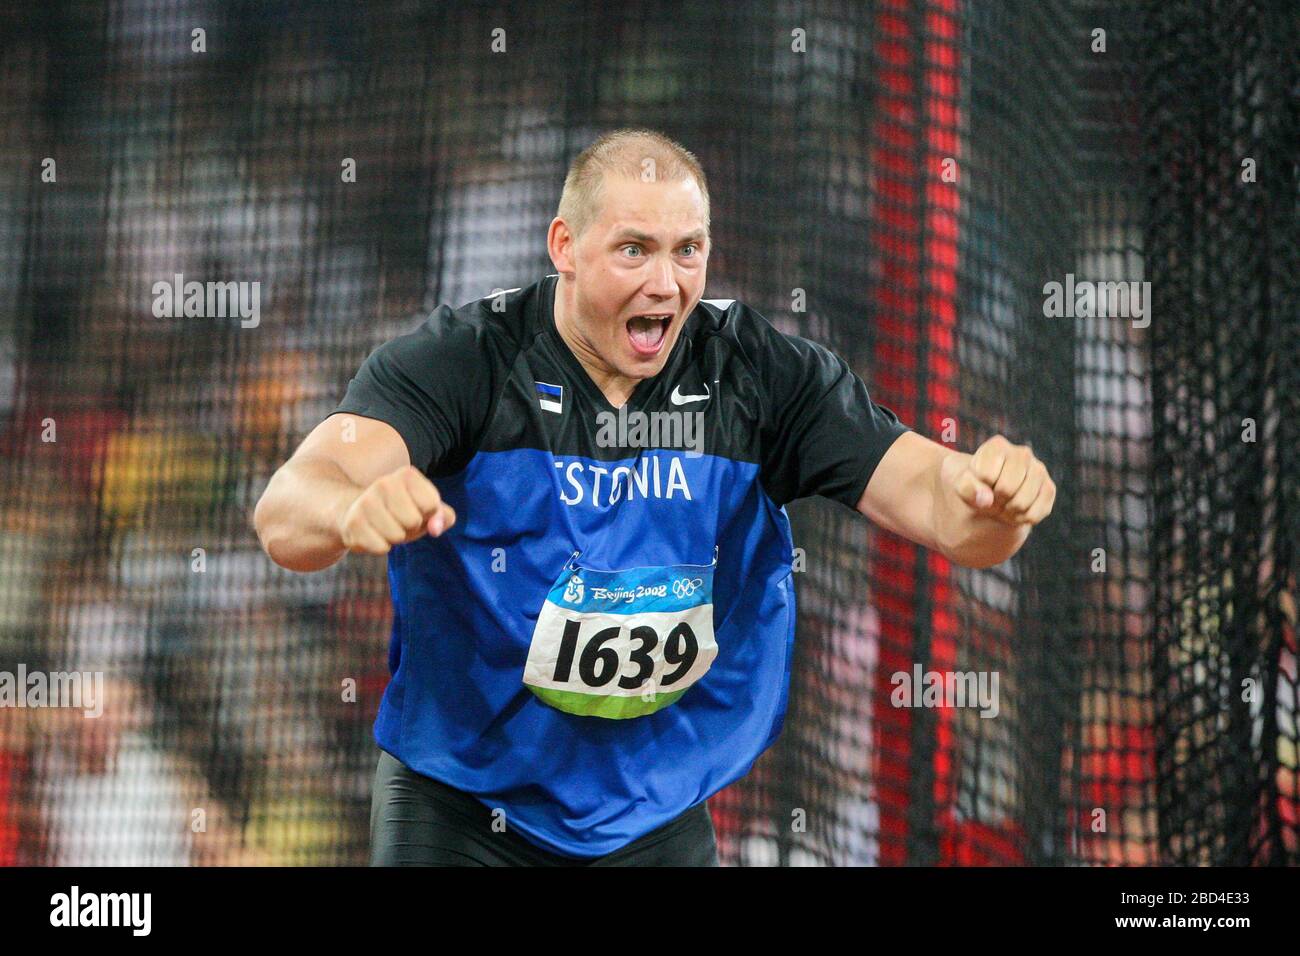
{"x":350,"y":486}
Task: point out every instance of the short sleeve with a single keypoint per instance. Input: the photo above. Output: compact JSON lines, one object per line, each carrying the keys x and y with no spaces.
{"x":432,"y":385}
{"x":823,"y":434}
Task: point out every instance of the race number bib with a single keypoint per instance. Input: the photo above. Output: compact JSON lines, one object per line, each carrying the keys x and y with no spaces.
{"x":622,"y":643}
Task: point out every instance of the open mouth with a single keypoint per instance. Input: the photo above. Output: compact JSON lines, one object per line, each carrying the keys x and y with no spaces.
{"x":648,"y":331}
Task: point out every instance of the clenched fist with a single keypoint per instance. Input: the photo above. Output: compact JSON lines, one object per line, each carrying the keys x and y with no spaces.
{"x":1002,"y":481}
{"x":398,"y":507}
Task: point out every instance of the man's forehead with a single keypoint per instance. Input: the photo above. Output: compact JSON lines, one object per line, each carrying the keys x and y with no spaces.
{"x":650,"y":206}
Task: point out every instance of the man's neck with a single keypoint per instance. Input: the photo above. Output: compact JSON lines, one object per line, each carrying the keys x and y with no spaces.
{"x":616,"y":388}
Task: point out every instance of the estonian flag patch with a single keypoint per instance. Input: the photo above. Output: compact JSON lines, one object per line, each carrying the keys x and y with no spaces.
{"x":550,"y":397}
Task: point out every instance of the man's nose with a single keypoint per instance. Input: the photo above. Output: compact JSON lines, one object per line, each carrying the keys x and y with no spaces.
{"x":661,"y":281}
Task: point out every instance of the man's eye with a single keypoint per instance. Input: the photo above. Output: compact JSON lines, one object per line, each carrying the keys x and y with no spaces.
{"x":634,"y":248}
{"x":689,"y":245}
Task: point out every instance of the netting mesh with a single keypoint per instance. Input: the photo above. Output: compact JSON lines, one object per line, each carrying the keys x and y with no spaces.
{"x":1224,"y":236}
{"x":897,"y":179}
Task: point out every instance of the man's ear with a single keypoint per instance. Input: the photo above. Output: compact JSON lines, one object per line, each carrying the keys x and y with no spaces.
{"x":559,"y":244}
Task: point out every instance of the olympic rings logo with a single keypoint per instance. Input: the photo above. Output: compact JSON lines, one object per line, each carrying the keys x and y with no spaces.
{"x":683,"y":587}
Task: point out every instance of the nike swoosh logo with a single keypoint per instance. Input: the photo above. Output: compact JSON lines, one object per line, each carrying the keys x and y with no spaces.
{"x":679,"y":399}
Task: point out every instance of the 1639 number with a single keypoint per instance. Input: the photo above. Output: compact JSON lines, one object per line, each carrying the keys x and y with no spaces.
{"x":598,"y":663}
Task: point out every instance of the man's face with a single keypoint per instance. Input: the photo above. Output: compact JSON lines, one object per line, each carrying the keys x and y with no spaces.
{"x":639,"y":271}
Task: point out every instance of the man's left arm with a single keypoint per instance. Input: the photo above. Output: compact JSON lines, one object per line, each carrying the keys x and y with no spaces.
{"x":976,"y":510}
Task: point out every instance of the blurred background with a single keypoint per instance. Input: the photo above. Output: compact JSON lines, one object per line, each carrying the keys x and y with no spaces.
{"x":896,"y":179}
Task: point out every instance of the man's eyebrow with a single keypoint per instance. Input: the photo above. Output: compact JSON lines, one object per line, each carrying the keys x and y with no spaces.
{"x":639,"y":236}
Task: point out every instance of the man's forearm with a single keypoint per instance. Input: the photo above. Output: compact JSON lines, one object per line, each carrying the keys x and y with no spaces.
{"x":967,"y":537}
{"x":298,"y":516}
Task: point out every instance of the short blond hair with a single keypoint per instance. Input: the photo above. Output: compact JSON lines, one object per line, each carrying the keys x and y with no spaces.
{"x":628,"y":152}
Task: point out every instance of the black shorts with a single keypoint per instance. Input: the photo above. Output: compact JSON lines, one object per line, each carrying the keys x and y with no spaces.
{"x":418,"y":821}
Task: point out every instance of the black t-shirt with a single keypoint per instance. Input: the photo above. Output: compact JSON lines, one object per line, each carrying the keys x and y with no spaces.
{"x":670,"y":507}
{"x":467,"y":380}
